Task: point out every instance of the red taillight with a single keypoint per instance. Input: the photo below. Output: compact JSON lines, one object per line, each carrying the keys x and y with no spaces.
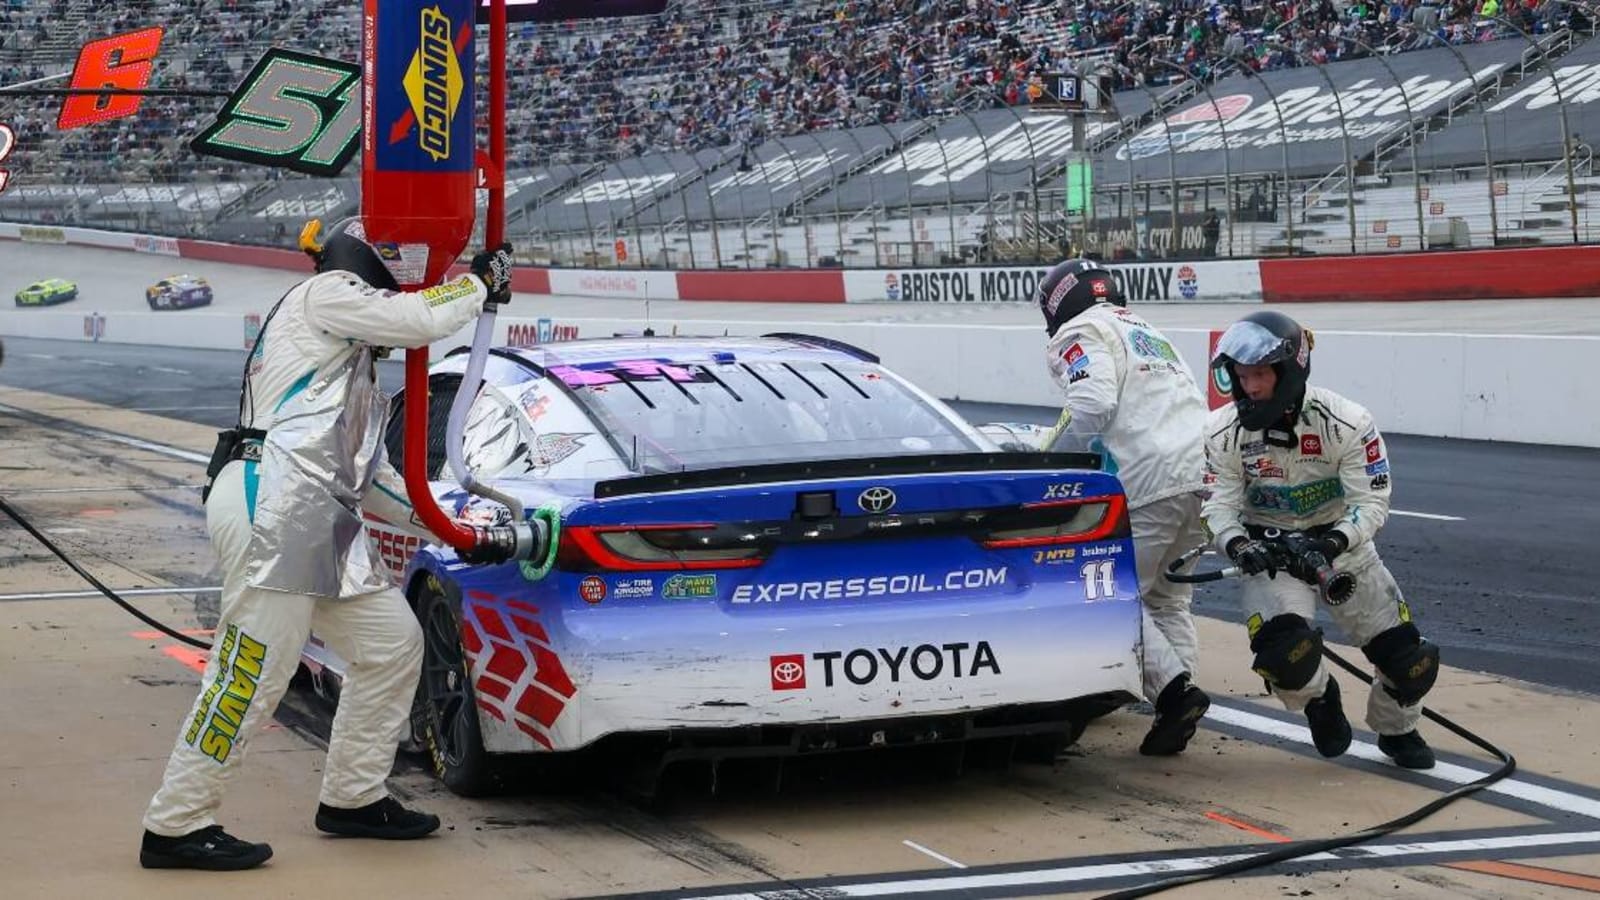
{"x":1061,"y":522}
{"x":645,"y":548}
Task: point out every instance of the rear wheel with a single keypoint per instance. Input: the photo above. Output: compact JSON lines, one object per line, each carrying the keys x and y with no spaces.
{"x":446,"y":707}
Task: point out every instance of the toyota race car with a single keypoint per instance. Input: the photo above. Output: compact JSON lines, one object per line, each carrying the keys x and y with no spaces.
{"x":767,"y":546}
{"x":48,"y":292}
{"x":178,"y":292}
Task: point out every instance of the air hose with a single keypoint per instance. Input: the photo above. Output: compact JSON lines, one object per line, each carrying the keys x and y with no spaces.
{"x":84,"y":574}
{"x":1297,"y":849}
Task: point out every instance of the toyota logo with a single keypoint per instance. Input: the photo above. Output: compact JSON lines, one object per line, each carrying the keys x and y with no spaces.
{"x":876,"y":500}
{"x":788,"y":672}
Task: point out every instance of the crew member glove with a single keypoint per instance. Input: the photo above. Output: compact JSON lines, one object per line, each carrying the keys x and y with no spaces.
{"x":1252,"y":557}
{"x":494,"y":268}
{"x":1331,"y":544}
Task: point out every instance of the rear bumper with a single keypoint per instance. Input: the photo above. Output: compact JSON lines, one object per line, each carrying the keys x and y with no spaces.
{"x":550,"y":677}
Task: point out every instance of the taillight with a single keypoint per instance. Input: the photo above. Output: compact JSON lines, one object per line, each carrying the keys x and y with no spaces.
{"x":1059,"y":522}
{"x":641,"y":548}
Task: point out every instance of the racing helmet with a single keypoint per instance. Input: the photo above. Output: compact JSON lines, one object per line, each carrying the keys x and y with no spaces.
{"x":1073,"y":286}
{"x":346,"y":249}
{"x":1266,"y":338}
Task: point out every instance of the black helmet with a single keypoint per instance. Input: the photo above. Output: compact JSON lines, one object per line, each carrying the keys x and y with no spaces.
{"x":1261,"y":339}
{"x":347,"y":250}
{"x":1073,"y":286}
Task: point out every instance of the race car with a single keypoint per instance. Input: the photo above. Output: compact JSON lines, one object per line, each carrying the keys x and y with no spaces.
{"x":48,"y":292}
{"x":179,"y":292}
{"x":767,"y":546}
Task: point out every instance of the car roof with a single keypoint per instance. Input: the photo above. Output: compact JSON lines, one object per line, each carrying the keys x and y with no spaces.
{"x":695,"y":350}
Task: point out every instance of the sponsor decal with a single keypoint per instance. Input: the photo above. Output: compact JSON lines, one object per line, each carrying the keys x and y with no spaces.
{"x":788,"y":671}
{"x":33,"y":234}
{"x":395,"y":549}
{"x":1298,"y":499}
{"x":1150,"y":346}
{"x":163,"y":246}
{"x":1063,"y":288}
{"x":689,"y":587}
{"x":1077,"y":363}
{"x":876,"y":500}
{"x":869,"y":586}
{"x":1381,"y":467}
{"x":633,"y":588}
{"x":1135,"y":281}
{"x":1263,"y":468}
{"x":1380,"y":482}
{"x":555,"y":446}
{"x":1253,"y":448}
{"x":217,"y":722}
{"x":434,"y":83}
{"x":1188,"y":282}
{"x":1371,"y":107}
{"x":864,"y":665}
{"x":1100,"y":550}
{"x":459,"y":289}
{"x":1065,"y":491}
{"x":891,"y":286}
{"x":252,"y":331}
{"x":1100,"y":288}
{"x":592,"y":589}
{"x":1374,"y":451}
{"x":1310,"y":445}
{"x":1054,"y":556}
{"x":1303,"y":355}
{"x":543,"y":331}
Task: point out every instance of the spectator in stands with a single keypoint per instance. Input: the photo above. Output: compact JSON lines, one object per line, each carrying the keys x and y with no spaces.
{"x":1211,"y":231}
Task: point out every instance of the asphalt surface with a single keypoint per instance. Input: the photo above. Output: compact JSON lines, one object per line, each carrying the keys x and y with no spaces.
{"x":1504,"y":589}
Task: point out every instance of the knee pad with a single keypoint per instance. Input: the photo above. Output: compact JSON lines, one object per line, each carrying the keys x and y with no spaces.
{"x":1288,"y":651}
{"x":1410,"y":662}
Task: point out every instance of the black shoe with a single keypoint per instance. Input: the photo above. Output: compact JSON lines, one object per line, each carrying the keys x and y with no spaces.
{"x":1409,"y":750}
{"x":1330,"y":730}
{"x":210,"y":848}
{"x":386,"y":820}
{"x":1178,"y":713}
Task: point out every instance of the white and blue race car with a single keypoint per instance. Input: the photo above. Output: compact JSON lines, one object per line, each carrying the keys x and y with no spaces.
{"x":766,"y":545}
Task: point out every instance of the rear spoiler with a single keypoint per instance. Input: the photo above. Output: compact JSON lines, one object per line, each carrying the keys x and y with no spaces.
{"x":767,"y":473}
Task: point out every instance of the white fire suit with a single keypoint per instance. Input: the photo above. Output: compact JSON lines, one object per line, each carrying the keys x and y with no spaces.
{"x":1335,"y":476}
{"x":286,"y":522}
{"x":1131,"y":398}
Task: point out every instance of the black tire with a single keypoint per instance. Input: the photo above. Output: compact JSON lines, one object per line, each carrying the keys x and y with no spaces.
{"x":446,"y":708}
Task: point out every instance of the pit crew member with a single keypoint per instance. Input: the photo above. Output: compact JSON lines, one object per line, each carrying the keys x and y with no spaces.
{"x":1286,"y":457}
{"x":1130,"y":398}
{"x":284,"y":512}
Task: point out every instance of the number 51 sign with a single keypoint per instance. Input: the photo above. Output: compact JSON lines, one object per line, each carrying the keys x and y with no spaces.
{"x":293,"y":111}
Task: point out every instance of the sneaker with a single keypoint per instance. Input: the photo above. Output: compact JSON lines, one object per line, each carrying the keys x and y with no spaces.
{"x":386,"y":820}
{"x":210,"y":848}
{"x":1178,"y":712}
{"x":1330,"y":730}
{"x":1409,"y":750}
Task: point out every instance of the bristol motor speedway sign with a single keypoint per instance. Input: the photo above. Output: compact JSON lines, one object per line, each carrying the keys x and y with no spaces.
{"x":1177,"y":281}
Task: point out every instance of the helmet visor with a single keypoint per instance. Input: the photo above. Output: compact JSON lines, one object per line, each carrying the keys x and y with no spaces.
{"x":1252,"y":344}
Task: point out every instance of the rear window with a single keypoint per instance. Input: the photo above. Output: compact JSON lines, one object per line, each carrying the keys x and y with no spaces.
{"x":673,"y":417}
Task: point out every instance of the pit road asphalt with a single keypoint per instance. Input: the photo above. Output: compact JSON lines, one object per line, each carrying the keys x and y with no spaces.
{"x":1503,"y":584}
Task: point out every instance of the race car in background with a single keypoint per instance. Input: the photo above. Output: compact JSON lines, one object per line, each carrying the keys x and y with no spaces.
{"x":767,"y":547}
{"x":48,"y":292}
{"x":179,"y":292}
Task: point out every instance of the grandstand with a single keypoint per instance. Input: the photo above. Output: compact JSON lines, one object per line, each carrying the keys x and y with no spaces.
{"x":880,"y":132}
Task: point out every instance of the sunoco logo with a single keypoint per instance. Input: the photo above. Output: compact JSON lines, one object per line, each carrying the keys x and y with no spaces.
{"x":434,"y":84}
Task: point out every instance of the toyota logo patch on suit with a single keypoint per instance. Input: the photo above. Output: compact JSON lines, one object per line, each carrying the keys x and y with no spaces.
{"x":876,"y":500}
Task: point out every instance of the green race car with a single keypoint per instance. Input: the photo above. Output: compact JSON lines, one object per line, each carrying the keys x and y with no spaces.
{"x":48,"y":292}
